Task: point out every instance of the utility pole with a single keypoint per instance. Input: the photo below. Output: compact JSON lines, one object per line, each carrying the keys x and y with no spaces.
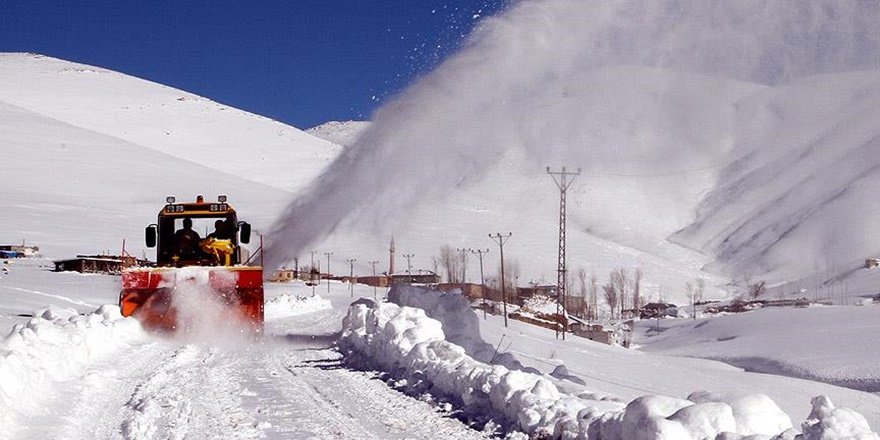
{"x":409,"y":265}
{"x":480,"y":253}
{"x":351,"y":275}
{"x":463,"y":253}
{"x":328,"y":254}
{"x":375,"y":281}
{"x":501,"y":239}
{"x":313,"y":260}
{"x":563,"y":180}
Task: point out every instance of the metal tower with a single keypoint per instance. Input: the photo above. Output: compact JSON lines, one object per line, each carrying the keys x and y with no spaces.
{"x":563,"y":180}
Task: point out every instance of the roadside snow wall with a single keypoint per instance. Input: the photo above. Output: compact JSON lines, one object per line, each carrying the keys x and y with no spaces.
{"x":52,"y":347}
{"x":412,"y":346}
{"x":460,"y":324}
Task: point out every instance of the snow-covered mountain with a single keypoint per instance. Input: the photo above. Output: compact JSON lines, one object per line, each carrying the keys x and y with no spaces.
{"x":91,"y":154}
{"x":799,"y":193}
{"x":741,"y":131}
{"x":339,"y":132}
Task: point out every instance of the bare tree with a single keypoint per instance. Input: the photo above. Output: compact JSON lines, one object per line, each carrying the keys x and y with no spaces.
{"x":492,"y":283}
{"x":757,"y":288}
{"x":637,"y":289}
{"x":582,"y":281}
{"x":620,"y":281}
{"x":449,"y":260}
{"x":463,"y":261}
{"x":691,"y":292}
{"x":512,"y":273}
{"x":699,"y":289}
{"x":582,"y":291}
{"x":593,"y":308}
{"x":754,"y":289}
{"x":611,"y":297}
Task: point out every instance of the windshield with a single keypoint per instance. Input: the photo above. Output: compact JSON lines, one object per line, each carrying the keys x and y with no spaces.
{"x":181,"y":237}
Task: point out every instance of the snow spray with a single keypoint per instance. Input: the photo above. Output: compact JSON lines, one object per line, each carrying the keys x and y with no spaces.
{"x":202,"y":315}
{"x":626,"y":86}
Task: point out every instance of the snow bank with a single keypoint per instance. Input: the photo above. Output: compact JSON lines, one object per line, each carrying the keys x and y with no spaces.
{"x":460,"y":324}
{"x":52,"y":347}
{"x":405,"y":342}
{"x":294,"y":305}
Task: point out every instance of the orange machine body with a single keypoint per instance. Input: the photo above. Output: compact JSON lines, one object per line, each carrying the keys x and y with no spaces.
{"x":175,"y":294}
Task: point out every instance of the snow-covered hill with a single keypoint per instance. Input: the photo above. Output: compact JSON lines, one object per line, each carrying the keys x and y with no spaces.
{"x":340,"y":132}
{"x":92,"y":153}
{"x":798,"y":196}
{"x":767,"y":107}
{"x":164,"y":120}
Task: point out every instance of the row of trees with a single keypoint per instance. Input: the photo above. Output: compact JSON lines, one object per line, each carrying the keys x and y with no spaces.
{"x":622,"y":290}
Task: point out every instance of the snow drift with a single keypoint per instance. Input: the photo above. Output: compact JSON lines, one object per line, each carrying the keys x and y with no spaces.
{"x":53,"y":347}
{"x":405,"y":342}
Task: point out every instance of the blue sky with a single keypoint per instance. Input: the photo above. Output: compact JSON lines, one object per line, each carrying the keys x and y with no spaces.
{"x":302,"y":62}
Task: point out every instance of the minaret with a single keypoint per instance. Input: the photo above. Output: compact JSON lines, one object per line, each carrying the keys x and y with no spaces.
{"x":391,"y":250}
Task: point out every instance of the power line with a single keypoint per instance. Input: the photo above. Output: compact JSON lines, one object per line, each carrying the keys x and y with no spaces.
{"x":562,"y":182}
{"x":480,"y":252}
{"x":375,"y":281}
{"x":409,"y":265}
{"x":351,"y":262}
{"x":328,"y":254}
{"x":501,"y":239}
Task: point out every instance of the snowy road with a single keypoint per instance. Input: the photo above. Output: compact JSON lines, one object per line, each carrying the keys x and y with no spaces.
{"x":108,"y":379}
{"x":159,"y":389}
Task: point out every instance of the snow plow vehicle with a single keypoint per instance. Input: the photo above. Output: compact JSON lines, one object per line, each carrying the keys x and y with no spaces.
{"x":195,"y":276}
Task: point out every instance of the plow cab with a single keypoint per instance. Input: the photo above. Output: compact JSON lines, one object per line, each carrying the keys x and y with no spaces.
{"x":200,"y":271}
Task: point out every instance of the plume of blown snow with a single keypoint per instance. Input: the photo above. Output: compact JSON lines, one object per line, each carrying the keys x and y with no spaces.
{"x":645,"y":83}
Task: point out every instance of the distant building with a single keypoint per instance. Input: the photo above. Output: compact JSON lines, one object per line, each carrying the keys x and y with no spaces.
{"x":107,"y":264}
{"x":469,"y":290}
{"x":18,"y":251}
{"x":376,"y":281}
{"x":283,"y":276}
{"x":654,"y":310}
{"x":619,"y":334}
{"x":420,"y":277}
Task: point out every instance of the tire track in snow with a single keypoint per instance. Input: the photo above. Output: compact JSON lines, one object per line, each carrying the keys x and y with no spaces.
{"x":157,"y":389}
{"x":191,"y":395}
{"x":50,"y":295}
{"x":306,"y":394}
{"x":86,"y":405}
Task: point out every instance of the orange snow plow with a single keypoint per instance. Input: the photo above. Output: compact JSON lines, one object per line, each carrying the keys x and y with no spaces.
{"x":194,"y":276}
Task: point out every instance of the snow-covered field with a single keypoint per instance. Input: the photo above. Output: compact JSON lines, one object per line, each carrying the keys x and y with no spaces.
{"x":826,"y":344}
{"x":62,"y":373}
